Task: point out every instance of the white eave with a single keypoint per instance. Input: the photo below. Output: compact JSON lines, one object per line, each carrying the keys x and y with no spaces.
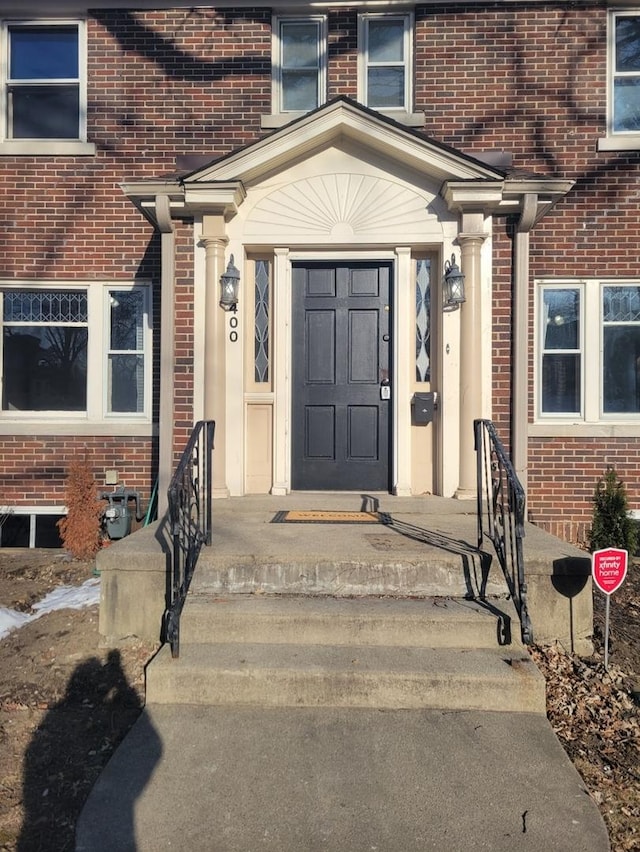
{"x":29,"y":8}
{"x":504,"y":198}
{"x":185,"y":201}
{"x":144,"y":193}
{"x":467,"y":184}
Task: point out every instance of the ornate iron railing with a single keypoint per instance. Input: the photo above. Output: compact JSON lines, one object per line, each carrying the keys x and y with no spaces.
{"x":190,"y":519}
{"x":501,"y":514}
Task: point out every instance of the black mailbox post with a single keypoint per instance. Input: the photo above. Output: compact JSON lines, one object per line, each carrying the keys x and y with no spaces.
{"x":422,"y":406}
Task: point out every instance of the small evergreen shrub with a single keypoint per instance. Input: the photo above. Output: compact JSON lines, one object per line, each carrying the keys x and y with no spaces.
{"x":81,"y":528}
{"x":612,"y":526}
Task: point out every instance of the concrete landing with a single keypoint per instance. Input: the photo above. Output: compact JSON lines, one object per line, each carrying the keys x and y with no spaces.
{"x":241,"y":779}
{"x":426,"y":547}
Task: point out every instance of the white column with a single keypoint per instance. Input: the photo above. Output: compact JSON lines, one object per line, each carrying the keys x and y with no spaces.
{"x":404,"y":302}
{"x":167,"y":350}
{"x":214,"y":241}
{"x":470,"y":241}
{"x":281,"y":326}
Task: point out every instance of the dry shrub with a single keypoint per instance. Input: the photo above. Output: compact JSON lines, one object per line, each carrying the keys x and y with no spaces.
{"x":81,"y":528}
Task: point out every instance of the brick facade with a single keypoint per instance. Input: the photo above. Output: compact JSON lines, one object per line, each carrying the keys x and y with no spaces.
{"x":527,"y":79}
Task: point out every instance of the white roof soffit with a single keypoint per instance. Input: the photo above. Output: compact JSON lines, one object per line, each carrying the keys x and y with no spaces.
{"x":223,"y":198}
{"x":27,"y":8}
{"x":342,"y":119}
{"x":143,"y":194}
{"x":505,"y":198}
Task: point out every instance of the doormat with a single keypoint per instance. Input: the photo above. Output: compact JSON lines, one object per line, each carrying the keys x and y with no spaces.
{"x":296,"y":516}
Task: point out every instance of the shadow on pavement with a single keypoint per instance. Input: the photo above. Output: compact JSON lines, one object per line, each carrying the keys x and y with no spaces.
{"x":70,"y":748}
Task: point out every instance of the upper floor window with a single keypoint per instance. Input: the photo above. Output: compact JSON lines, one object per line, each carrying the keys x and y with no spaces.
{"x":623,"y":83}
{"x":44,"y":88}
{"x":299,"y":64}
{"x":385,"y":61}
{"x":589,"y":351}
{"x":625,"y":74}
{"x":76,"y":351}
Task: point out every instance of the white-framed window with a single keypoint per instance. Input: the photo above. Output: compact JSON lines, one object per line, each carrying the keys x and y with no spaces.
{"x":44,"y":81}
{"x":72,"y":351}
{"x":43,"y":88}
{"x":385,"y":43}
{"x":624,"y":79}
{"x":299,"y":60}
{"x":588,"y":351}
{"x":623,"y":82}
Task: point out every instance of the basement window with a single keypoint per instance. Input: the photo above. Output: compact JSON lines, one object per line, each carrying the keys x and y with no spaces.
{"x":25,"y":528}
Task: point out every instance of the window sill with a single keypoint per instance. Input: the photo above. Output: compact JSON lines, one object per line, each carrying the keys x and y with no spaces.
{"x":620,"y":143}
{"x":77,"y":427}
{"x":37,"y":148}
{"x":409,"y":119}
{"x":276,"y":120}
{"x":580,"y":429}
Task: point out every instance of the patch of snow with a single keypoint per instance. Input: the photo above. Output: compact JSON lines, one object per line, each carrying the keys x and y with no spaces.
{"x":10,"y":619}
{"x":64,"y":597}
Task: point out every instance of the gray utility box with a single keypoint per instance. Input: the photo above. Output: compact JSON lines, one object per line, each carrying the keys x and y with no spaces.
{"x":118,"y":516}
{"x":422,"y":408}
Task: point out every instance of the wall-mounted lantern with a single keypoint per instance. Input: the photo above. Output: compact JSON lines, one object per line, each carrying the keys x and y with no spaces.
{"x":453,"y":286}
{"x":229,"y":285}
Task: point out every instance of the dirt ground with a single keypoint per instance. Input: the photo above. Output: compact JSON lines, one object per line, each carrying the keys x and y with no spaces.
{"x":66,"y":703}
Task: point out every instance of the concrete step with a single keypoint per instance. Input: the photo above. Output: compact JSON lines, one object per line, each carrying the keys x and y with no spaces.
{"x":279,"y":675}
{"x":284,"y":619}
{"x":392,"y":566}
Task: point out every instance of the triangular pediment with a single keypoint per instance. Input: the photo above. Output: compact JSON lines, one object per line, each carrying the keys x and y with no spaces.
{"x":342,"y":125}
{"x":340,"y":122}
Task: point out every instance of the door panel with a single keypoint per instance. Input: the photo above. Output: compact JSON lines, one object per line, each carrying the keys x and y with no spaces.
{"x":341,"y":351}
{"x":320,"y":442}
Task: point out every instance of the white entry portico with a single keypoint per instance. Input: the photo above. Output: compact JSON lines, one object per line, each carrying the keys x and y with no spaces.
{"x":340,"y":191}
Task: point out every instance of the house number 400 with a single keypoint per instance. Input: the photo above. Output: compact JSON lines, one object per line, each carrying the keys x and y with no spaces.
{"x":233,"y":334}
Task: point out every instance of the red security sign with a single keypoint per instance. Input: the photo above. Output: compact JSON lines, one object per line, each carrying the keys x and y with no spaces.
{"x":609,"y":568}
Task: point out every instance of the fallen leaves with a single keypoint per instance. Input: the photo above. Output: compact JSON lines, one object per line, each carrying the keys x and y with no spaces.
{"x":598,"y":723}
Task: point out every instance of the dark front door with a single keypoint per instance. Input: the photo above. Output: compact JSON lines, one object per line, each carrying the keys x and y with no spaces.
{"x":341,"y":372}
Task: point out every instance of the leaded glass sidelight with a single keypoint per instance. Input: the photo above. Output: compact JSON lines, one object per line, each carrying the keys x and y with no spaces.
{"x":261,"y":322}
{"x":423,"y":321}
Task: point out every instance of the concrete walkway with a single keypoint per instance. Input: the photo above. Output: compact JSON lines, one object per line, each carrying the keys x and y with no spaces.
{"x":220,"y":779}
{"x":234,"y":778}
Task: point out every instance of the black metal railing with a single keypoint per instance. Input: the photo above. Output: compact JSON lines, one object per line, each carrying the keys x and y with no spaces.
{"x":190,"y":521}
{"x":501,"y":514}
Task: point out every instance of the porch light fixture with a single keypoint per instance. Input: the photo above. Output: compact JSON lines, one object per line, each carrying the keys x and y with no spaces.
{"x":453,"y":286}
{"x":229,"y":285}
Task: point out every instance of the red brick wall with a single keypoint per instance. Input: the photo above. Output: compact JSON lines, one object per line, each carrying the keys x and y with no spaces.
{"x":33,"y":468}
{"x":343,"y":54}
{"x":526,"y":78}
{"x":535,"y":85}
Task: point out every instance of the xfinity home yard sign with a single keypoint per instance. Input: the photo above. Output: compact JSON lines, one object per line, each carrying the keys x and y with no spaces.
{"x":609,"y":568}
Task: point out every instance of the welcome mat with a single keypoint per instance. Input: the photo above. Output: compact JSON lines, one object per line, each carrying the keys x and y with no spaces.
{"x":298,"y":516}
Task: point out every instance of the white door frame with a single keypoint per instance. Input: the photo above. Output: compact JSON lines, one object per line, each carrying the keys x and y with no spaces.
{"x":403,"y":302}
